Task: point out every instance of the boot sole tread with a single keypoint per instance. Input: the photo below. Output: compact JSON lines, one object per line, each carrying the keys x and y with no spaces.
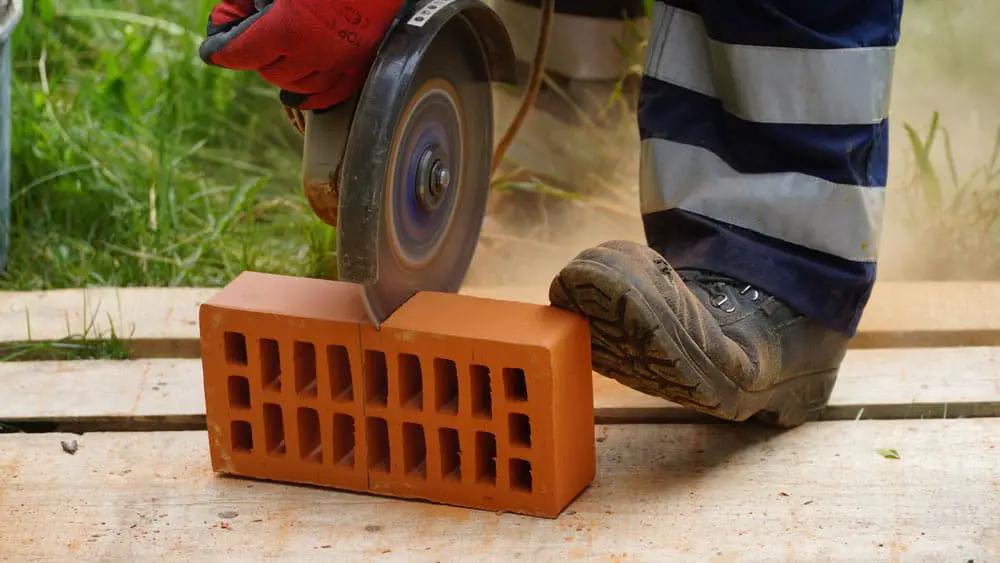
{"x":630,"y":345}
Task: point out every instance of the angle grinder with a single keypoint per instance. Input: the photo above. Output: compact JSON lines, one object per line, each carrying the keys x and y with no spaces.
{"x":403,"y":169}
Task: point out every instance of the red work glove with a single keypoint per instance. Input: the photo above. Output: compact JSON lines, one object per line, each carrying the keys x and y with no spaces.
{"x":318,"y":52}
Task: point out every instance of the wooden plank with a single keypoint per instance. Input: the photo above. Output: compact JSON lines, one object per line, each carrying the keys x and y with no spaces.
{"x":167,"y":394}
{"x":81,"y":396}
{"x":822,"y":492}
{"x":156,"y":322}
{"x":163,"y":322}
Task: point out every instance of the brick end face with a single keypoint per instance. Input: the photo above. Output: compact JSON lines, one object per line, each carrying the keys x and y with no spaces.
{"x":406,"y":411}
{"x":576,"y":452}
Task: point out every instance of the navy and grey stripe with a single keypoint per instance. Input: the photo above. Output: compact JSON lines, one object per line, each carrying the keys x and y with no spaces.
{"x":769,"y":120}
{"x":752,"y":80}
{"x":837,"y":219}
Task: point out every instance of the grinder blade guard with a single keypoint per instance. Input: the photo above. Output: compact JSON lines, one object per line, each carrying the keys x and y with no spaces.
{"x":415,"y":176}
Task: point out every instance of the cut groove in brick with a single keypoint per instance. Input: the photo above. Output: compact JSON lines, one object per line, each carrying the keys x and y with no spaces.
{"x":445,"y":386}
{"x":310,"y":441}
{"x":305,"y":368}
{"x":486,"y":458}
{"x":482,"y":394}
{"x":514,"y":384}
{"x":270,"y":364}
{"x":378,"y":445}
{"x":239,"y":392}
{"x":451,"y":454}
{"x":414,"y":450}
{"x":339,"y":366}
{"x":411,"y":382}
{"x":242,"y":436}
{"x":236,"y":348}
{"x":376,"y":378}
{"x":519,"y":429}
{"x":520,"y":475}
{"x":343,"y":440}
{"x":274,"y":429}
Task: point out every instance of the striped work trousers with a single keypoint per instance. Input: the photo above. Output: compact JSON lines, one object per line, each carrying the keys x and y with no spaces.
{"x":765,"y":144}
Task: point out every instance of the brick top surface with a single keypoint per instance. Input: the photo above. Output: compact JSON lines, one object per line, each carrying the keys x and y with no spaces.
{"x":465,"y":316}
{"x":286,"y":295}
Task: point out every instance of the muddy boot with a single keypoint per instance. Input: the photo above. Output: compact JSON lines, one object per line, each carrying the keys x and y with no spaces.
{"x":707,"y":342}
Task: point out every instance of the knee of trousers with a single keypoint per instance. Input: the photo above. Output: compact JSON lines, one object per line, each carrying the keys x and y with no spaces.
{"x":586,"y":37}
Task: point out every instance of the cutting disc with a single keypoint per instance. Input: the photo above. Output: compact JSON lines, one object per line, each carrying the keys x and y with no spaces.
{"x":434,"y":166}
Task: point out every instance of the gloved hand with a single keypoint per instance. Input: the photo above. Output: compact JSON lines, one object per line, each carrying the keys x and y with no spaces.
{"x":318,"y":52}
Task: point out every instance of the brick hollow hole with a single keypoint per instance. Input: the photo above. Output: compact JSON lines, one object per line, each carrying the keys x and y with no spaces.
{"x":339,"y":367}
{"x":486,"y":458}
{"x":236,"y":348}
{"x":305,"y":368}
{"x":519,"y":428}
{"x":482,"y":394}
{"x":376,"y":378}
{"x":242,"y":436}
{"x":411,"y":382}
{"x":310,"y":443}
{"x":414,"y":450}
{"x":270,"y":364}
{"x":378,"y":445}
{"x":343,"y":440}
{"x":274,"y":429}
{"x":451,"y":454}
{"x":514,"y":384}
{"x":239,"y":392}
{"x":520,"y":475}
{"x":304,"y":362}
{"x":445,"y":386}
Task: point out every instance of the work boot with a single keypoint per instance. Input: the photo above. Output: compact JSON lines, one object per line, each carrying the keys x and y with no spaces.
{"x":704,"y":341}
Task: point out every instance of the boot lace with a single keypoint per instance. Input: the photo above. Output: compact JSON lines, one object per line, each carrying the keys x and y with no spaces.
{"x":723,"y":293}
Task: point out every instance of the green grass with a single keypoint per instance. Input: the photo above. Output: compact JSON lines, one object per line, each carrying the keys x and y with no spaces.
{"x":134,"y":163}
{"x":90,"y":345}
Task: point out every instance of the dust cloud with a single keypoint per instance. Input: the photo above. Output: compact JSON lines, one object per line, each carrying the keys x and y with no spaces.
{"x":946,"y":63}
{"x":590,"y":195}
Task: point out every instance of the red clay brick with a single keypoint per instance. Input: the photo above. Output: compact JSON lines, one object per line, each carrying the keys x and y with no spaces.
{"x":459,"y":400}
